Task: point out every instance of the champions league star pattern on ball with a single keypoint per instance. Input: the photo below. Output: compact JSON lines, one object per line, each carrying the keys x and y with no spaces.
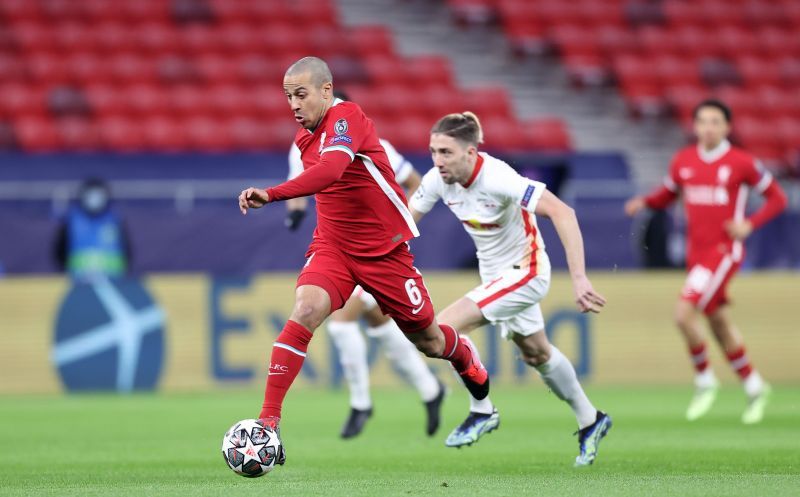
{"x":252,"y":449}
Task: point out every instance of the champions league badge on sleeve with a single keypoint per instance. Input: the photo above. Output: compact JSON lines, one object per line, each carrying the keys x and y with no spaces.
{"x":340,"y":127}
{"x":109,"y":336}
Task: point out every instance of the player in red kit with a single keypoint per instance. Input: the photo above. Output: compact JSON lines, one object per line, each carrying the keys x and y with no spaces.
{"x":714,"y":179}
{"x":363,"y":224}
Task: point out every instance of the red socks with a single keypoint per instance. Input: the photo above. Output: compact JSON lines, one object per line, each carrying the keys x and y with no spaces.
{"x":454,"y":350}
{"x":699,"y":357}
{"x":288,"y":354}
{"x":740,"y":363}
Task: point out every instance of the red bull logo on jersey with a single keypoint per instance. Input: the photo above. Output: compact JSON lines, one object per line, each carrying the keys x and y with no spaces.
{"x":706,"y":195}
{"x":475,"y":224}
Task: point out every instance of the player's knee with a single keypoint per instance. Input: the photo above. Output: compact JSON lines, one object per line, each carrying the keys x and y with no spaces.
{"x":684,"y":316}
{"x":308,"y":313}
{"x":535,"y":356}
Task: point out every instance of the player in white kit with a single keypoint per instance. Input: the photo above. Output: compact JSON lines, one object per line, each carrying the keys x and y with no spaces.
{"x":497,"y":207}
{"x":345,"y":332}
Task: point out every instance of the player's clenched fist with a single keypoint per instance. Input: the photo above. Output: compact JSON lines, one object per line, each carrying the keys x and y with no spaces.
{"x":252,"y":198}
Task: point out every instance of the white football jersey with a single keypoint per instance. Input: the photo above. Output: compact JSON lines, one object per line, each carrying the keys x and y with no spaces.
{"x":402,"y":168}
{"x":496,"y":208}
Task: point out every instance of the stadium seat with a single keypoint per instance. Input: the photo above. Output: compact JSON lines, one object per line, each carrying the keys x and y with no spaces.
{"x":758,"y":72}
{"x":79,"y":134}
{"x":37,"y":134}
{"x":546,"y":134}
{"x":164,"y":134}
{"x":205,"y":134}
{"x":472,"y":11}
{"x":22,"y":99}
{"x":488,"y":102}
{"x":121,"y":134}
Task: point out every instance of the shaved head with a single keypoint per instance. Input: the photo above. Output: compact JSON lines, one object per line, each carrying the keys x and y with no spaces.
{"x":315,"y":67}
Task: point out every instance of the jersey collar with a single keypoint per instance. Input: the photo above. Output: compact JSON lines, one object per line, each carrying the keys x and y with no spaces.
{"x":336,"y":101}
{"x":475,"y":172}
{"x":715,"y":154}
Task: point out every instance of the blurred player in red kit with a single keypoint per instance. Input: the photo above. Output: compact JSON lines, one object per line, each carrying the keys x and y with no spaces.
{"x":714,"y":179}
{"x":363,"y":225}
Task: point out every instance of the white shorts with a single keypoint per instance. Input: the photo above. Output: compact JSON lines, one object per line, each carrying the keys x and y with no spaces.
{"x":366,"y":298}
{"x":511,"y":301}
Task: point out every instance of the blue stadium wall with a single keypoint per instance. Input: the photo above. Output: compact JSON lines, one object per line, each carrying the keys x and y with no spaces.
{"x":212,"y":236}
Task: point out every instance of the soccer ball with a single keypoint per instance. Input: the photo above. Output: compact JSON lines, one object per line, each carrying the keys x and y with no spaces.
{"x":250,"y":449}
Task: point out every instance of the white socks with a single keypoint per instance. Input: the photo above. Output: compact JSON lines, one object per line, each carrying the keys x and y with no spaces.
{"x":753,"y":384}
{"x":560,"y":376}
{"x":352,"y":348}
{"x":705,"y":379}
{"x":484,"y":406}
{"x":406,"y":358}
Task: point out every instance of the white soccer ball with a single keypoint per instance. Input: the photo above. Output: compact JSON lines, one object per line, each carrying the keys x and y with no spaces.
{"x":251,"y":449}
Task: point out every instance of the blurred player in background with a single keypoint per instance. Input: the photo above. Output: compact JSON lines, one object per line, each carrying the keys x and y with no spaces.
{"x":497,"y":206}
{"x":714,"y":179}
{"x":363,"y":226}
{"x":343,"y":325}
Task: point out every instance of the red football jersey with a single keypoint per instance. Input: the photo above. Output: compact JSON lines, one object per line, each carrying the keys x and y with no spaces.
{"x":364,"y":212}
{"x":715,"y":185}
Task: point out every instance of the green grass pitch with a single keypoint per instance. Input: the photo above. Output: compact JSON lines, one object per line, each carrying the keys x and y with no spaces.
{"x":170,"y":445}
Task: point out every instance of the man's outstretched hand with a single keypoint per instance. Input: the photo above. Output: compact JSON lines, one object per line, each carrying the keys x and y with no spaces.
{"x":252,"y":198}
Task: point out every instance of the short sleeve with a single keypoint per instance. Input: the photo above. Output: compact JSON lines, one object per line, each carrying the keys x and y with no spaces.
{"x":516,"y":189}
{"x":428,"y":192}
{"x":401,"y":167}
{"x":672,"y":181}
{"x":755,"y":175}
{"x":345,"y":130}
{"x":295,"y":162}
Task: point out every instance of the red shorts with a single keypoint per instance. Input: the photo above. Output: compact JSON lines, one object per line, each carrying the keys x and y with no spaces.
{"x":707,"y":282}
{"x":392,"y":279}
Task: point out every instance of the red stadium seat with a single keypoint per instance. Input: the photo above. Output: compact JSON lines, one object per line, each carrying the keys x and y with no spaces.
{"x":106,"y":100}
{"x":86,"y":67}
{"x":656,"y":40}
{"x":256,"y":68}
{"x":489,"y":102}
{"x":37,"y":134}
{"x":249,"y":133}
{"x":189,"y":100}
{"x":267,"y":102}
{"x":214,"y":69}
{"x":131,"y":68}
{"x":777,"y":42}
{"x":741,"y":101}
{"x":615,"y":40}
{"x":676,"y":71}
{"x":527,"y":37}
{"x":72,"y":37}
{"x":207,"y":134}
{"x":146,"y":99}
{"x":736,"y":41}
{"x":113,"y":37}
{"x":587,"y":70}
{"x":574,"y":40}
{"x":22,"y":99}
{"x":503,"y":133}
{"x":790,"y":72}
{"x":12,"y":68}
{"x":47,"y":68}
{"x":777,"y":102}
{"x":371,"y":41}
{"x":158,"y":38}
{"x":228,"y":100}
{"x":19,"y":10}
{"x":431,"y":70}
{"x":634,"y":71}
{"x":121,"y":134}
{"x":78,"y":134}
{"x":175,"y":69}
{"x":759,"y":137}
{"x":33,"y":36}
{"x":546,"y":134}
{"x":164,"y":134}
{"x":758,"y":72}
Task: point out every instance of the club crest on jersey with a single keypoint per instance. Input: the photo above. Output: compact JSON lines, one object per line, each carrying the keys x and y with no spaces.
{"x":526,"y":198}
{"x":340,"y":127}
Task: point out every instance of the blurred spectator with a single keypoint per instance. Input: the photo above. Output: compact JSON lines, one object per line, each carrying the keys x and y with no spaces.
{"x":92,"y":239}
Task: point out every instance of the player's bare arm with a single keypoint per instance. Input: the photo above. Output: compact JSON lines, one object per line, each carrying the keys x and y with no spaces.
{"x":634,"y":206}
{"x":411,"y":184}
{"x":566,"y":223}
{"x":252,"y":198}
